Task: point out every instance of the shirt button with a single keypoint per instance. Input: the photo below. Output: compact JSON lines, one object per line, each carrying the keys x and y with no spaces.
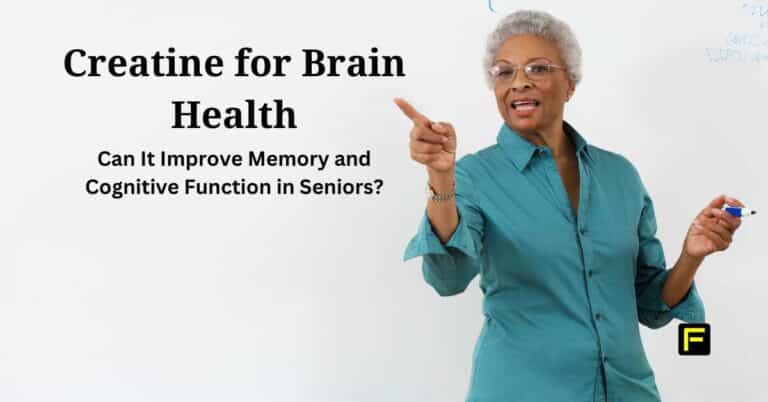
{"x":589,"y":273}
{"x":605,"y":358}
{"x":597,"y":316}
{"x":583,"y":231}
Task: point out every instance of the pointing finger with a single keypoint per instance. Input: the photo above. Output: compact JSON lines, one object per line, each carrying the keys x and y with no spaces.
{"x":411,"y":112}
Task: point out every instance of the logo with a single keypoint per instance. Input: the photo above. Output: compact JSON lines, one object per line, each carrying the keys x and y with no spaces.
{"x":693,"y":339}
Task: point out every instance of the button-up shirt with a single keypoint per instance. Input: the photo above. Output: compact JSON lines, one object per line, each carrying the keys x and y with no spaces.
{"x":563,"y":293}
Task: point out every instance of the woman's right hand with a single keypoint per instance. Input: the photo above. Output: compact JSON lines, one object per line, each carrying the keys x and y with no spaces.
{"x":432,"y":144}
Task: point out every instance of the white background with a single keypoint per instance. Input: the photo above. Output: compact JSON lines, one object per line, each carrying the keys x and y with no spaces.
{"x":306,"y":298}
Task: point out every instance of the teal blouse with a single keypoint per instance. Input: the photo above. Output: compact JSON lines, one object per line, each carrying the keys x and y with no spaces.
{"x":562,"y":293}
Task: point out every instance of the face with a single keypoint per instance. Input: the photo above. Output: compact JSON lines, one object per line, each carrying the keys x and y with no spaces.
{"x":551,"y":92}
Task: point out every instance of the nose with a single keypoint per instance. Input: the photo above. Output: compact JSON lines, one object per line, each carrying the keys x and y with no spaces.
{"x":520,"y":81}
{"x":518,"y":85}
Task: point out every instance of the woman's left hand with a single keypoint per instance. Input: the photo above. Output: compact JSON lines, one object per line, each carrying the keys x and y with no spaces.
{"x":713,"y":228}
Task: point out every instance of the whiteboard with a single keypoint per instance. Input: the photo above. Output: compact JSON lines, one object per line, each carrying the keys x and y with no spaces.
{"x":307,"y":298}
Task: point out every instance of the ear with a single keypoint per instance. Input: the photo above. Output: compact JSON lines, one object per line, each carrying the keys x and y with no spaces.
{"x":570,"y":90}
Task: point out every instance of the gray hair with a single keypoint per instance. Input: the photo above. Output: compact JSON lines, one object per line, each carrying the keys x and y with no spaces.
{"x":538,"y":23}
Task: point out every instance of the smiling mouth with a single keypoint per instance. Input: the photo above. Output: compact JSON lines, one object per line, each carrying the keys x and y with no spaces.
{"x":525,"y":105}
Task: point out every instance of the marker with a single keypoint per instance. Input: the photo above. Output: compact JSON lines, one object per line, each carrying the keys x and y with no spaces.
{"x":739,"y":212}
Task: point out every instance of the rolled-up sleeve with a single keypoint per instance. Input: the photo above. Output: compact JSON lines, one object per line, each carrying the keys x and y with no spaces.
{"x":653,"y":312}
{"x":449,"y":267}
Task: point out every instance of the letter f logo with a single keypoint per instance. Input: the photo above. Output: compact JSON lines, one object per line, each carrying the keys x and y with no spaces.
{"x":693,"y":339}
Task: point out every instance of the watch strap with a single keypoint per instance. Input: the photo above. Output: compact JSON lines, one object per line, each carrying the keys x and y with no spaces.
{"x":438,"y":197}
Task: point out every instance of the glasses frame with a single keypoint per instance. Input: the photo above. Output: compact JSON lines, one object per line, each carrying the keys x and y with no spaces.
{"x":493,"y":71}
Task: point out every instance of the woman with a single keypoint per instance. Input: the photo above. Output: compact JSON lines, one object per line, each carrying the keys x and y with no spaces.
{"x":561,"y":232}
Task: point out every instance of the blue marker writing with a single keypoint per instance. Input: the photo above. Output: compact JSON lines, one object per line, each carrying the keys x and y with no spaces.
{"x":739,"y":212}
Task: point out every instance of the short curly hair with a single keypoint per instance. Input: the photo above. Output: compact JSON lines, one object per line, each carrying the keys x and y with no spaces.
{"x":538,"y":23}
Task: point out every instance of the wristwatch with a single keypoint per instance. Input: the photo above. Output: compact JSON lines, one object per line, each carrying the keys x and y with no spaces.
{"x":439,"y":197}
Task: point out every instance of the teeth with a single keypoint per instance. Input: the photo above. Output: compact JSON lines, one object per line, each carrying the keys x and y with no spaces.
{"x":527,"y":104}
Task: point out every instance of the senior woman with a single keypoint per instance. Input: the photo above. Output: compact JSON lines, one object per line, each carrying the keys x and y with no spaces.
{"x":561,"y":232}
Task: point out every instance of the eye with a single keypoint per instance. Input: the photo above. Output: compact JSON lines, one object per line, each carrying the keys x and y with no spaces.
{"x":502,"y":71}
{"x":538,"y":68}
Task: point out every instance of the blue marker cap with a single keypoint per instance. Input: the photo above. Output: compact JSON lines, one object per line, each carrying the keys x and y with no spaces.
{"x":739,"y":212}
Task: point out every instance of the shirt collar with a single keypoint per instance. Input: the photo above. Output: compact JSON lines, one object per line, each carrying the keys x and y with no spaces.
{"x":520,"y":150}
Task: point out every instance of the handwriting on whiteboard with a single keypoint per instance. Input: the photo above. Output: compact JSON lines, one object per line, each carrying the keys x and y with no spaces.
{"x":749,"y":45}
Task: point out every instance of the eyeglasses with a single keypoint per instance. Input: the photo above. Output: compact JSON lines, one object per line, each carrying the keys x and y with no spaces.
{"x":534,"y":71}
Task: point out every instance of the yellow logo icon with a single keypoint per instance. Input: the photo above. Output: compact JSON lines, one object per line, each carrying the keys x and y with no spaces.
{"x":694,"y":339}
